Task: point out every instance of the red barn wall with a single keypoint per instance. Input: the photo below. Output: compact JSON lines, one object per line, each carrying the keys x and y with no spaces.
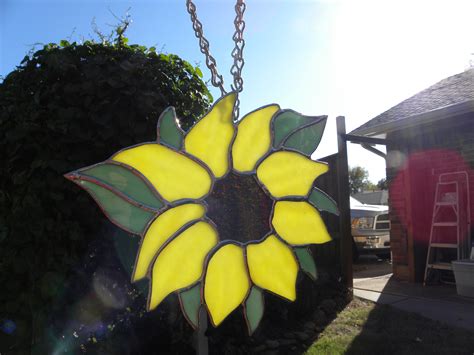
{"x":416,"y":158}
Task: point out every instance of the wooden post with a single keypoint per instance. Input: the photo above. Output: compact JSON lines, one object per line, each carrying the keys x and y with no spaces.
{"x":202,"y":342}
{"x":344,"y":203}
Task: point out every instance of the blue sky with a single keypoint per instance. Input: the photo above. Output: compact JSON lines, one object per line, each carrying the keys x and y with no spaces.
{"x":355,"y":58}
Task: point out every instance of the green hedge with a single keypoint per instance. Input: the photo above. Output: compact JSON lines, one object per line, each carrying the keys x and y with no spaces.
{"x":64,"y":107}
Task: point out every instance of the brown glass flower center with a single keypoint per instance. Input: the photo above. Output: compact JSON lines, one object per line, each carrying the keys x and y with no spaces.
{"x":239,"y":208}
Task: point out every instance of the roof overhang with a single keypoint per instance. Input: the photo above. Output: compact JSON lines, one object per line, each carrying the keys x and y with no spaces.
{"x":415,"y":120}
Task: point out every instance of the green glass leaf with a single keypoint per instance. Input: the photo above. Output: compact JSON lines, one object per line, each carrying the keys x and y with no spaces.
{"x":287,"y":122}
{"x":126,"y":246}
{"x":307,"y":138}
{"x":323,"y":202}
{"x":305,"y":258}
{"x":168,"y":130}
{"x":254,"y":306}
{"x":190,"y":301}
{"x":125,"y":181}
{"x":126,"y":215}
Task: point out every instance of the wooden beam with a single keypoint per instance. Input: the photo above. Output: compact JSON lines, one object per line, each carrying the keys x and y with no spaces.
{"x":344,"y":203}
{"x":374,"y":150}
{"x":360,"y":139}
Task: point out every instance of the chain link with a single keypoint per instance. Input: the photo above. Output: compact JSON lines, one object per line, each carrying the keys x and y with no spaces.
{"x":237,"y":53}
{"x":216,"y":79}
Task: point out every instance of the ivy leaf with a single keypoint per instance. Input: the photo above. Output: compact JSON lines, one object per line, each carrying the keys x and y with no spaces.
{"x":190,"y":301}
{"x":306,"y":261}
{"x":323,"y":202}
{"x":253,"y":308}
{"x":168,"y":129}
{"x":123,"y":195}
{"x":199,"y":72}
{"x":296,"y":131}
{"x":51,"y":283}
{"x":3,"y":232}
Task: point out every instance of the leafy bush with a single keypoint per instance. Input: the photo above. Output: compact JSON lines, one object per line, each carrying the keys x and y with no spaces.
{"x":64,"y":107}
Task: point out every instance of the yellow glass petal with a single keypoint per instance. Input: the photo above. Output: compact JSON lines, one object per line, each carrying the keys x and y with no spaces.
{"x":163,"y":227}
{"x":273,"y":266}
{"x":253,"y":138}
{"x":180,"y":263}
{"x":210,"y":138}
{"x":299,"y":223}
{"x":289,"y":173}
{"x":226,"y":283}
{"x":174,"y":175}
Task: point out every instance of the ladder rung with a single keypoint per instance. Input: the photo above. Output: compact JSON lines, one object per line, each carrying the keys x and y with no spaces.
{"x":445,"y":224}
{"x":447,"y":183}
{"x":441,"y":266}
{"x":453,"y":203}
{"x":444,"y":245}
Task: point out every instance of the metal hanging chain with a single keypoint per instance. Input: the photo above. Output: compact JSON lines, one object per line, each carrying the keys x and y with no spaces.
{"x":216,"y":79}
{"x":237,"y":53}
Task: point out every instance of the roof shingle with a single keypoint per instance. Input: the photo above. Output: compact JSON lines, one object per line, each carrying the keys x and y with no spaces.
{"x":450,"y":91}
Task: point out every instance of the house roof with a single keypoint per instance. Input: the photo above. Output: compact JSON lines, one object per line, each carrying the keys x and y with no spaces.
{"x":373,"y":197}
{"x":446,"y":96}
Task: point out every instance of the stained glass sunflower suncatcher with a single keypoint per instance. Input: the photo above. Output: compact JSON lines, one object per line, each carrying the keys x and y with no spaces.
{"x":224,"y":211}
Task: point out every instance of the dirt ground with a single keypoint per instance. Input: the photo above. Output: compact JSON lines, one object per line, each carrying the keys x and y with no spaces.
{"x":370,"y":266}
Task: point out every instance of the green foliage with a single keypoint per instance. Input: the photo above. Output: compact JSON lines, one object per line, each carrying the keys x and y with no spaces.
{"x":384,"y":329}
{"x":359,"y":180}
{"x":64,"y":107}
{"x":382,"y":184}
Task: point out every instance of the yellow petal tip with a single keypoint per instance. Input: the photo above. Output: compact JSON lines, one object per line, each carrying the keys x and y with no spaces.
{"x":299,"y":223}
{"x":180,"y":263}
{"x":273,"y":267}
{"x":253,"y":138}
{"x":210,"y":138}
{"x":287,"y":173}
{"x":174,"y":175}
{"x":226,"y":282}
